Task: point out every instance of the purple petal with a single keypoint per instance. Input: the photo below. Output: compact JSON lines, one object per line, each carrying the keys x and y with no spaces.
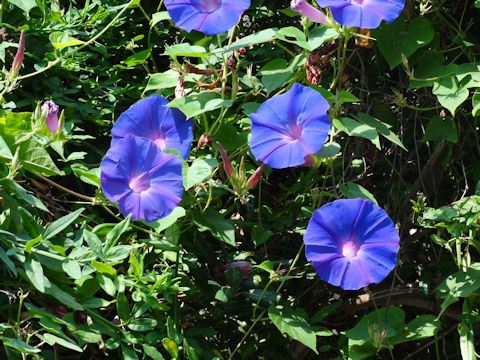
{"x":367,"y":14}
{"x":290,"y":126}
{"x":151,"y":119}
{"x":143,"y":180}
{"x":208,"y":16}
{"x":351,"y":243}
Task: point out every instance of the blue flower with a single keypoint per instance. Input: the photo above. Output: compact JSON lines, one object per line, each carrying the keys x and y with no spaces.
{"x":208,"y":16}
{"x":351,"y":243}
{"x":142,"y":179}
{"x":366,"y":14}
{"x":289,"y":127}
{"x":150,"y":118}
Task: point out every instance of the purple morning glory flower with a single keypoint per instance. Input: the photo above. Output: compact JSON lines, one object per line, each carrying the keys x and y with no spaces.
{"x":51,"y":110}
{"x":351,"y":243}
{"x":211,"y":17}
{"x":142,"y":179}
{"x":289,"y":127}
{"x":149,"y":118}
{"x":366,"y":14}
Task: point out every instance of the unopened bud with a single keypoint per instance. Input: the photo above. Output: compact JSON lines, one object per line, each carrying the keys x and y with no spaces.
{"x":50,"y":109}
{"x":227,"y":165}
{"x":302,"y":7}
{"x":18,"y":60}
{"x":244,"y":266}
{"x":205,"y":140}
{"x":179,"y":90}
{"x":257,"y":175}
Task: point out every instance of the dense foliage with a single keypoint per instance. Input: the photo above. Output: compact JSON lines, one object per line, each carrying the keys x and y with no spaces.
{"x":224,"y":275}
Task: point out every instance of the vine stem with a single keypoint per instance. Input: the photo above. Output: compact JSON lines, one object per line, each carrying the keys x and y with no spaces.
{"x":250,"y":329}
{"x":71,"y":192}
{"x":55,"y":62}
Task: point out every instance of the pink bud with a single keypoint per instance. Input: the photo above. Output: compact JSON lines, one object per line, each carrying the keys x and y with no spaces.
{"x":227,"y":165}
{"x":302,"y":7}
{"x":244,"y":266}
{"x":257,"y":175}
{"x":51,"y":110}
{"x":179,"y":90}
{"x":18,"y":61}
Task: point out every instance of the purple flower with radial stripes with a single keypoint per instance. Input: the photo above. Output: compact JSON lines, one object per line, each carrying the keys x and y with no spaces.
{"x":289,"y":127}
{"x":150,"y":118}
{"x":211,"y":17}
{"x":142,"y":179}
{"x":366,"y":14}
{"x":351,"y":243}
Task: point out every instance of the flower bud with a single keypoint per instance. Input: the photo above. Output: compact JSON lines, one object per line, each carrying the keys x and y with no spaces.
{"x":18,"y":60}
{"x":227,"y":165}
{"x":179,"y":90}
{"x":244,"y":266}
{"x":50,"y":109}
{"x":257,"y":175}
{"x":302,"y":7}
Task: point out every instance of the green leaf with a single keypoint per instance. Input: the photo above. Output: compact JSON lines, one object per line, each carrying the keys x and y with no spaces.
{"x":260,"y":235}
{"x":422,"y":327}
{"x":276,"y":72}
{"x":318,"y":36}
{"x":355,"y":128}
{"x":153,"y":352}
{"x":353,"y":191}
{"x":63,"y":297}
{"x":61,"y":40}
{"x":225,"y":294}
{"x":123,"y":307}
{"x":89,"y":176}
{"x":20,"y":191}
{"x":103,"y":268}
{"x":19,"y":345}
{"x":449,"y":93}
{"x":87,"y":336}
{"x":5,"y":151}
{"x":114,"y":235}
{"x":381,"y":127}
{"x":267,"y":265}
{"x":185,"y":50}
{"x":142,"y":324}
{"x":467,"y":343}
{"x":169,"y":220}
{"x":211,"y":220}
{"x":404,"y":38}
{"x":34,"y":272}
{"x":171,"y":347}
{"x":36,"y":159}
{"x":11,"y":266}
{"x":165,"y":80}
{"x":476,"y":103}
{"x":291,"y":322}
{"x":328,"y":150}
{"x":196,"y":104}
{"x":107,"y":284}
{"x":52,"y":339}
{"x":94,"y":243}
{"x":253,"y":39}
{"x":58,"y":225}
{"x":138,"y":58}
{"x":439,"y":129}
{"x":200,"y":170}
{"x":191,"y":352}
{"x":72,"y":268}
{"x":25,"y":5}
{"x":128,"y":353}
{"x":160,"y":16}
